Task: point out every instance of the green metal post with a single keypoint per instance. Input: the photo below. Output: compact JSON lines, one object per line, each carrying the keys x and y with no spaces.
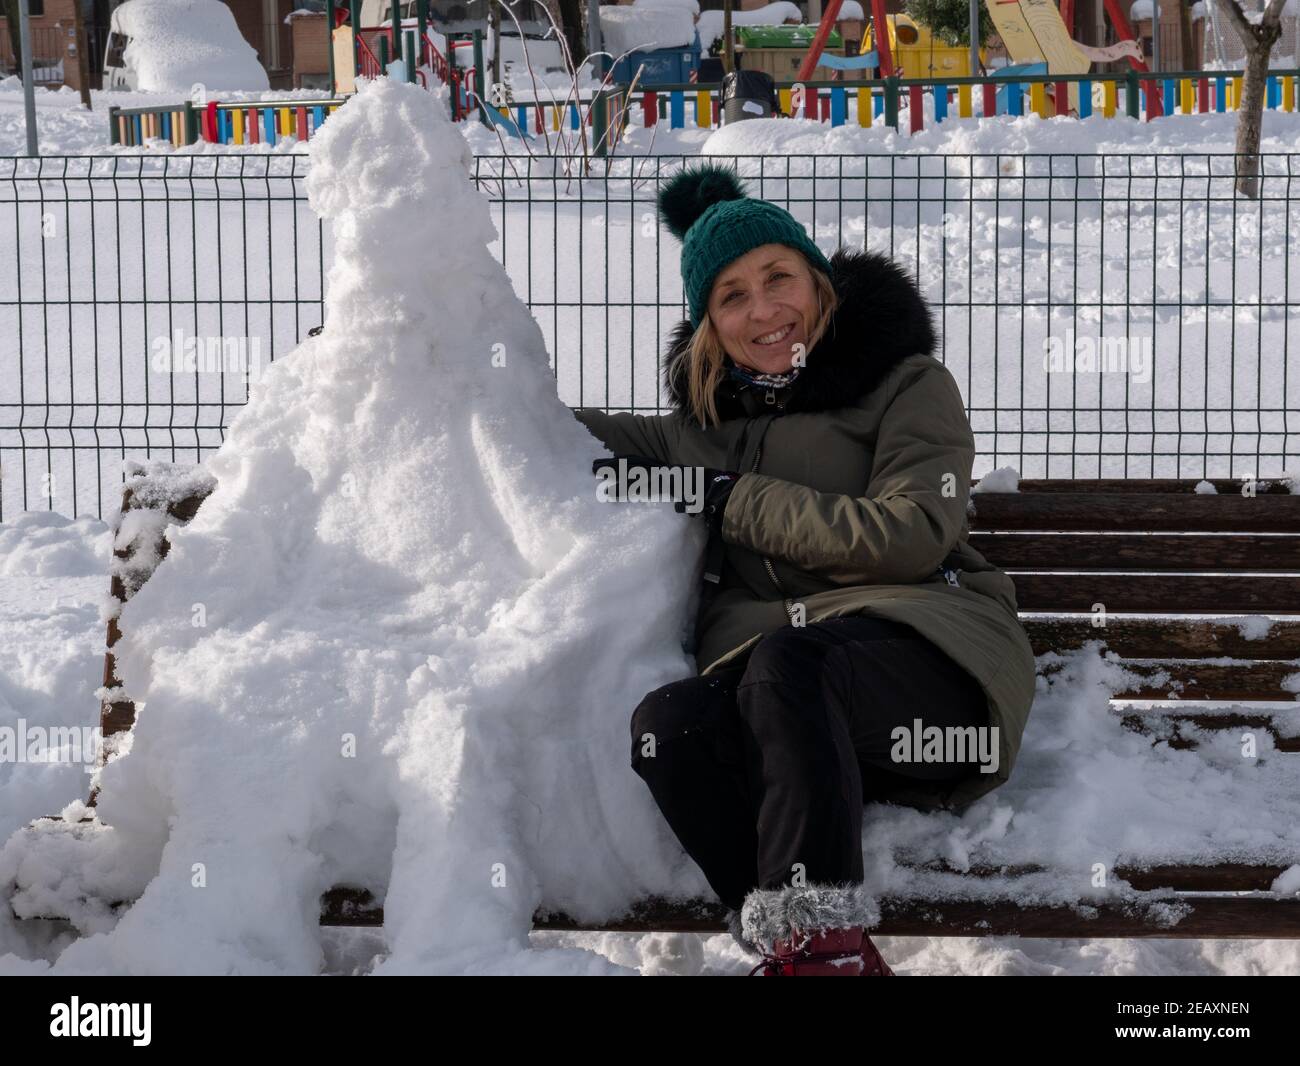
{"x":891,"y":100}
{"x":114,"y":136}
{"x":1131,"y":93}
{"x":329,"y":43}
{"x":356,"y":37}
{"x":600,"y":123}
{"x":479,"y":87}
{"x":421,"y":24}
{"x":191,"y":123}
{"x":408,"y":39}
{"x":383,"y":55}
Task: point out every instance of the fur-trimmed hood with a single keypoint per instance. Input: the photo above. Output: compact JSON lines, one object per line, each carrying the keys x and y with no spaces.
{"x":881,"y":318}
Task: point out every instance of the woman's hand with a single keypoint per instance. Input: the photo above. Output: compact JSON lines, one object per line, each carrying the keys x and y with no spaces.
{"x":694,"y":490}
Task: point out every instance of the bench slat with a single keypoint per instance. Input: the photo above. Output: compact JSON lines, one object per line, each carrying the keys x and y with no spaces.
{"x":1237,"y":916}
{"x":1241,"y":917}
{"x":1124,"y":512}
{"x":1206,"y":681}
{"x":1139,"y":551}
{"x":1144,"y":637}
{"x":1223,"y":486}
{"x":1159,"y":593}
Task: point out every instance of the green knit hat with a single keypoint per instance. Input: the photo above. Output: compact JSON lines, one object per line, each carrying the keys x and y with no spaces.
{"x":708,"y":211}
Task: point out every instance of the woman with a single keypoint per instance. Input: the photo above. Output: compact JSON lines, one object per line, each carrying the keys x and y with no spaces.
{"x":843,"y":613}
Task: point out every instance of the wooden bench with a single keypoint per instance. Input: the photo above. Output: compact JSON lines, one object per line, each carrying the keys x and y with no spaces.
{"x":1158,"y":547}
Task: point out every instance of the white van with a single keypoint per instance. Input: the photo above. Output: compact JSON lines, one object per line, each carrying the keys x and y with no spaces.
{"x":173,"y":45}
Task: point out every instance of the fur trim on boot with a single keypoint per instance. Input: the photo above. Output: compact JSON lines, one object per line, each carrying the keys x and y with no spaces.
{"x":772,"y":914}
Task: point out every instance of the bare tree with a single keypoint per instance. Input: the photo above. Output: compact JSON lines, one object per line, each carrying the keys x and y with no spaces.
{"x":1259,"y":38}
{"x":573,"y":21}
{"x":83,"y":58}
{"x":729,"y":45}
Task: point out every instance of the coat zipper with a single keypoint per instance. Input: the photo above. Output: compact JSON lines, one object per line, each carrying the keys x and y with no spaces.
{"x":767,"y":563}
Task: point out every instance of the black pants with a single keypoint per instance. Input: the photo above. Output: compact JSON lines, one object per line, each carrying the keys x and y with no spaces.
{"x":762,"y":770}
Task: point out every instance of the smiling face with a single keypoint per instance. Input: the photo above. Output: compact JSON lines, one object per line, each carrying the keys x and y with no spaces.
{"x":763,"y":306}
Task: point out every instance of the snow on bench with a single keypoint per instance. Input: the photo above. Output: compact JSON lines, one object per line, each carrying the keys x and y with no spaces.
{"x":1208,"y":574}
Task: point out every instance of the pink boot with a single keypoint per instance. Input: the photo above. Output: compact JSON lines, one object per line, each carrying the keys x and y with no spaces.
{"x":812,"y":930}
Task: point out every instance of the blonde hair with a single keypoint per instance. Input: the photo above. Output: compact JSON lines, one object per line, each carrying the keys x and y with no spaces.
{"x":705,"y":354}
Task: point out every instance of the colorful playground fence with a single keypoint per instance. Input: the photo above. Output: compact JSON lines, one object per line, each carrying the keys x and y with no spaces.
{"x":246,"y":122}
{"x":897,"y":102}
{"x":902,"y":102}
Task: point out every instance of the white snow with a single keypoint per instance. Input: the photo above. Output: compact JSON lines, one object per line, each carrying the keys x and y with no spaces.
{"x":53,"y":583}
{"x":1254,"y":627}
{"x":635,"y":27}
{"x":1206,"y":488}
{"x":178,"y":43}
{"x":710,"y":24}
{"x":1142,"y":9}
{"x":1003,"y":479}
{"x":404,"y":553}
{"x":692,"y":7}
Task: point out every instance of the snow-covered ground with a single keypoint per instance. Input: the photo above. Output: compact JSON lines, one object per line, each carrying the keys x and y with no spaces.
{"x":64,"y":127}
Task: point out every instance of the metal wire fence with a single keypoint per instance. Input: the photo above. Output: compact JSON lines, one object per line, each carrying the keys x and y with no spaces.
{"x":1105,"y":315}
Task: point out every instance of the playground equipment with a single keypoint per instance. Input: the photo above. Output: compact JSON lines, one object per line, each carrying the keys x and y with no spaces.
{"x":1038,"y":42}
{"x":916,"y":52}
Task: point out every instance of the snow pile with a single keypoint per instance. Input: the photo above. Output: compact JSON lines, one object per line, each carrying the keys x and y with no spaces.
{"x":629,"y":28}
{"x":1003,"y":479}
{"x":1088,"y":791}
{"x":42,"y":543}
{"x":710,"y":24}
{"x":178,"y":43}
{"x":691,"y":6}
{"x":400,"y":645}
{"x":53,"y":580}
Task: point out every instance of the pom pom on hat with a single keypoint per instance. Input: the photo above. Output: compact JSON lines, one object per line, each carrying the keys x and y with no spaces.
{"x":692,"y":192}
{"x":707,"y":210}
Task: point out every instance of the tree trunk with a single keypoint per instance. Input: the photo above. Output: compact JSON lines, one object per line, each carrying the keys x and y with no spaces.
{"x":728,"y":46}
{"x":573,"y":21}
{"x":1259,"y":39}
{"x":83,"y":60}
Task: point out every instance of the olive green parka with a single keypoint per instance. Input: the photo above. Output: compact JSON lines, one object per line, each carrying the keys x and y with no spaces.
{"x":854,"y":493}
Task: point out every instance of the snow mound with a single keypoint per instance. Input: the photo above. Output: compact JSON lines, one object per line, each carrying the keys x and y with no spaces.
{"x":629,"y":28}
{"x":710,"y":22}
{"x":46,"y":544}
{"x":400,"y":645}
{"x":1003,"y":479}
{"x":177,"y":43}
